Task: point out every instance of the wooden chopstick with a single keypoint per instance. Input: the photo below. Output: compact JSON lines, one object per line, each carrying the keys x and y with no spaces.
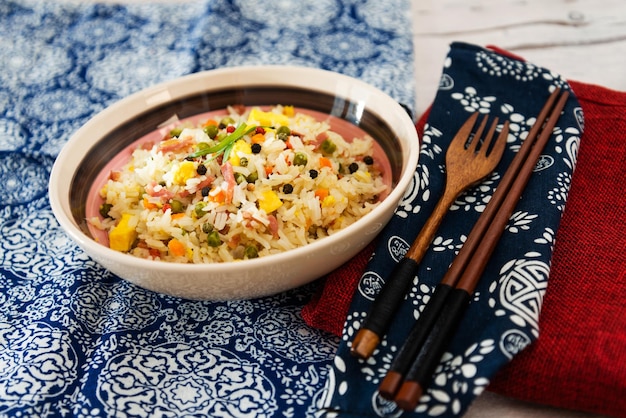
{"x":423,"y":348}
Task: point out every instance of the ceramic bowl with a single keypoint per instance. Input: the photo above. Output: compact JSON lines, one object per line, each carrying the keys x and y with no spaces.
{"x":89,"y":150}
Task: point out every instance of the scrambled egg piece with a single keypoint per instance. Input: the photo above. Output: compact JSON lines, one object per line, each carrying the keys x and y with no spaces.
{"x":185,"y":171}
{"x":122,"y":236}
{"x":267,"y":118}
{"x":269,"y":201}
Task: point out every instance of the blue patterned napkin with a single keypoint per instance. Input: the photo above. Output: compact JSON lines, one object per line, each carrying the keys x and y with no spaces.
{"x":76,"y":340}
{"x":503,"y":316}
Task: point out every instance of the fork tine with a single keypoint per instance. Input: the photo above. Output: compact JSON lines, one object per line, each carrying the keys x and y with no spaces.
{"x":475,"y":140}
{"x":464,"y":132}
{"x":489,"y":137}
{"x":500,"y":143}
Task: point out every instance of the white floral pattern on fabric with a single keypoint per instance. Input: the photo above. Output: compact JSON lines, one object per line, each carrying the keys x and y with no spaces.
{"x":180,"y":379}
{"x":38,"y":363}
{"x":105,"y":308}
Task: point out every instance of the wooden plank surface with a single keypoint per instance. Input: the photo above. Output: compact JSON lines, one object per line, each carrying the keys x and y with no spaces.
{"x":584,"y":40}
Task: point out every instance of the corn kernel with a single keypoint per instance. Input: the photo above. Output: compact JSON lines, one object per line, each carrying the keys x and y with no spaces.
{"x":363,"y":176}
{"x":289,"y":111}
{"x":328,"y":201}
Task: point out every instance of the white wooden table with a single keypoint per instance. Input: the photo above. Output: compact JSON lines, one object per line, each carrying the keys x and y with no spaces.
{"x":583,"y":40}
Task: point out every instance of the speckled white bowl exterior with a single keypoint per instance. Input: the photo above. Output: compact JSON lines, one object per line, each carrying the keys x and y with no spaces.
{"x":351,"y":99}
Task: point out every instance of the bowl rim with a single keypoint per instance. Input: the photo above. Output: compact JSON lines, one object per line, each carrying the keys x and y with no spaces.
{"x":60,"y":176}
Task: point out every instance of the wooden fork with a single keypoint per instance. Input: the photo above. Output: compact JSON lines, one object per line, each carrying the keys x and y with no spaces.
{"x":468,"y":161}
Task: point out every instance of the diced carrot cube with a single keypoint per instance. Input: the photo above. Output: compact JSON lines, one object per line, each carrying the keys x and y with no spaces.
{"x":148,"y":205}
{"x":176,"y":247}
{"x":321,"y":194}
{"x":257,"y":138}
{"x":325,"y":162}
{"x":218,"y":196}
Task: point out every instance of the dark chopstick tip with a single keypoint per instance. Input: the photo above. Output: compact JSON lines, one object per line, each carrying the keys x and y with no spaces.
{"x":390,"y":385}
{"x":409,"y":395}
{"x":364,"y":343}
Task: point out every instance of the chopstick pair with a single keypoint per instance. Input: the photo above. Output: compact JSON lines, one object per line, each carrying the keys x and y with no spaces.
{"x":413,"y":368}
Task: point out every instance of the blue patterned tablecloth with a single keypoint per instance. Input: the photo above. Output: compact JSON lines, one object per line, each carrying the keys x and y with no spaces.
{"x":74,"y":339}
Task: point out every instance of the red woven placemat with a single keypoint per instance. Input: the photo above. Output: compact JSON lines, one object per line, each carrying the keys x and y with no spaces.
{"x":579,"y":360}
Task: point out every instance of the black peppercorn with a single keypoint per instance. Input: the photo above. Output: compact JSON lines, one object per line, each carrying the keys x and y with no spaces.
{"x":201,"y":170}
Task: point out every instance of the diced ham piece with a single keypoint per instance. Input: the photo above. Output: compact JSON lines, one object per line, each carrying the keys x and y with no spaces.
{"x":205,"y":183}
{"x":273,"y":225}
{"x":176,"y":144}
{"x":155,"y":190}
{"x":320,"y":138}
{"x":240,"y":109}
{"x":229,"y":177}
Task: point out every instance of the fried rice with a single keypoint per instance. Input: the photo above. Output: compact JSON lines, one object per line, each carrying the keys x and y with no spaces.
{"x":249,"y":183}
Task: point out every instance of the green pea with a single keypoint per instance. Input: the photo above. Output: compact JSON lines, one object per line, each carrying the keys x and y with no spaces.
{"x":213,"y":239}
{"x":252,"y":177}
{"x":224,"y":122}
{"x":328,"y":146}
{"x":199,"y":209}
{"x":251,"y":252}
{"x":243,"y":161}
{"x":283,"y":132}
{"x":207,"y":227}
{"x":211,"y":131}
{"x":104,"y":210}
{"x":239,"y":178}
{"x":177,"y":206}
{"x":175,"y":133}
{"x":300,"y":158}
{"x":200,"y":146}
